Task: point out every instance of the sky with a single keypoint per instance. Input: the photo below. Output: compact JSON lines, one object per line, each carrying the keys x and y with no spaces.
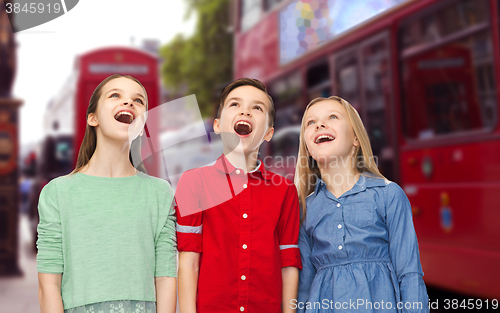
{"x":46,"y":53}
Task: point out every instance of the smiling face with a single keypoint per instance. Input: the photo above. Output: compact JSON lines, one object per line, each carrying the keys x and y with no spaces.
{"x":122,"y":100}
{"x":328,"y":132}
{"x":245,"y":118}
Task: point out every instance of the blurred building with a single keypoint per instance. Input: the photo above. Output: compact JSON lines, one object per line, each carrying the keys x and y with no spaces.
{"x":9,"y":142}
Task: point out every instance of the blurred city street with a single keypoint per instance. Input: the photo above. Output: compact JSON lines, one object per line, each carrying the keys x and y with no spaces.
{"x":423,"y":76}
{"x":20,"y":294}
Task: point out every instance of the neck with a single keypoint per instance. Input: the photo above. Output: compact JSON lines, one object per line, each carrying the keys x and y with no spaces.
{"x":239,"y":158}
{"x":110,"y":159}
{"x":339,"y":178}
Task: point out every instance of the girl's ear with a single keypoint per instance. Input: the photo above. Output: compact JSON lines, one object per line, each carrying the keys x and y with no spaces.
{"x":92,"y":120}
{"x":217,"y":126}
{"x":355,"y":146}
{"x":356,"y":142}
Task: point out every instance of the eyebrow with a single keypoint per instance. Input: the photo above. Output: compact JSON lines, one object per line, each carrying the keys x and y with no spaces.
{"x":241,"y":100}
{"x":117,"y":89}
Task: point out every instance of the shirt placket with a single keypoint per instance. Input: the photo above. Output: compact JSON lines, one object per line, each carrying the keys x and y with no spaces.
{"x":339,"y":228}
{"x":245,"y":216}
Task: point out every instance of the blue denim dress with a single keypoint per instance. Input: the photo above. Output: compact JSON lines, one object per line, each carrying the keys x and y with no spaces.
{"x":360,"y":251}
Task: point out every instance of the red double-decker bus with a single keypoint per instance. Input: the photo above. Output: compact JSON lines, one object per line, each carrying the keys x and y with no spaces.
{"x":424,"y":76}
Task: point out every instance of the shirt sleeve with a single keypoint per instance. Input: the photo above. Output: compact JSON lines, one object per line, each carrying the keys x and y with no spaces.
{"x":306,"y":275}
{"x":49,"y":243}
{"x":189,"y":216}
{"x":403,"y":249}
{"x":288,"y":229}
{"x":166,"y":244}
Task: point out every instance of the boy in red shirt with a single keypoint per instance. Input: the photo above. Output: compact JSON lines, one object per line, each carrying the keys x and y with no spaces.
{"x":237,"y":223}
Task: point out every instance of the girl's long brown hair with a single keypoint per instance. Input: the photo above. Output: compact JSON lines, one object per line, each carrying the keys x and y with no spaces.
{"x":307,"y":171}
{"x":89,"y":142}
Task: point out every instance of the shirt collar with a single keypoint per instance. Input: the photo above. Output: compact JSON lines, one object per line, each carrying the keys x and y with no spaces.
{"x":319,"y":184}
{"x":366,"y":180}
{"x":257,"y":168}
{"x":225,"y":166}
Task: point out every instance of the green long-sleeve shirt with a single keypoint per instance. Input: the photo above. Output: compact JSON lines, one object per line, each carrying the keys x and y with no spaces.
{"x":108,"y":236}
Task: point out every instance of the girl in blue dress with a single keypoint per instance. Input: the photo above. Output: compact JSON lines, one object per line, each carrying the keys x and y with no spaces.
{"x":358,"y":244}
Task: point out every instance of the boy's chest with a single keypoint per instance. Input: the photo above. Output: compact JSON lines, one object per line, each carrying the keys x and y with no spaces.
{"x":257,"y":206}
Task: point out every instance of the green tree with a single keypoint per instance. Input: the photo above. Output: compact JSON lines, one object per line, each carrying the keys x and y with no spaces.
{"x":203,"y":62}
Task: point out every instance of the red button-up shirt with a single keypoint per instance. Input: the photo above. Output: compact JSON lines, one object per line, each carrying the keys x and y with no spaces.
{"x":246,"y":227}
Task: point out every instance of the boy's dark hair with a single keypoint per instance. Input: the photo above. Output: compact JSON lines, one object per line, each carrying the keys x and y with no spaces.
{"x":247,"y":82}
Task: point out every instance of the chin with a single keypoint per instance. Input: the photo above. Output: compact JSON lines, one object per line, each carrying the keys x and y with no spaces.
{"x":249,"y":148}
{"x":325,"y":158}
{"x":120,"y":137}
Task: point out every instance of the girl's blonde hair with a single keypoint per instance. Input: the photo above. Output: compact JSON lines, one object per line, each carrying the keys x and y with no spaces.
{"x":307,"y":171}
{"x":89,"y":142}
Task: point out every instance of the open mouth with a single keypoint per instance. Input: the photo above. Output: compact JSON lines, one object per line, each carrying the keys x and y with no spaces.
{"x":124,"y":117}
{"x":243,"y":128}
{"x":324,"y":138}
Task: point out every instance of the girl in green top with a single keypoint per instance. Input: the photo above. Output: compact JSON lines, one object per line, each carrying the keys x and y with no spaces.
{"x":106,"y":237}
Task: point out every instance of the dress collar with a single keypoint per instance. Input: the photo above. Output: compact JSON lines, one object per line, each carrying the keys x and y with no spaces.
{"x":366,"y":180}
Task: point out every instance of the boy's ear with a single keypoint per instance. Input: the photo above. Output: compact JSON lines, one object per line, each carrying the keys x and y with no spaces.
{"x":92,"y":120}
{"x":217,"y":126}
{"x":269,"y":134}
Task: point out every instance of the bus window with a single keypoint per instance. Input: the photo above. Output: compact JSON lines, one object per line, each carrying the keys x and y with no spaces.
{"x":318,"y":81}
{"x":250,"y":13}
{"x":444,"y":22}
{"x":284,"y":151}
{"x":347,"y":79}
{"x":473,"y":12}
{"x":377,"y":91}
{"x":362,"y":77}
{"x":448,"y":81}
{"x":285,"y":92}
